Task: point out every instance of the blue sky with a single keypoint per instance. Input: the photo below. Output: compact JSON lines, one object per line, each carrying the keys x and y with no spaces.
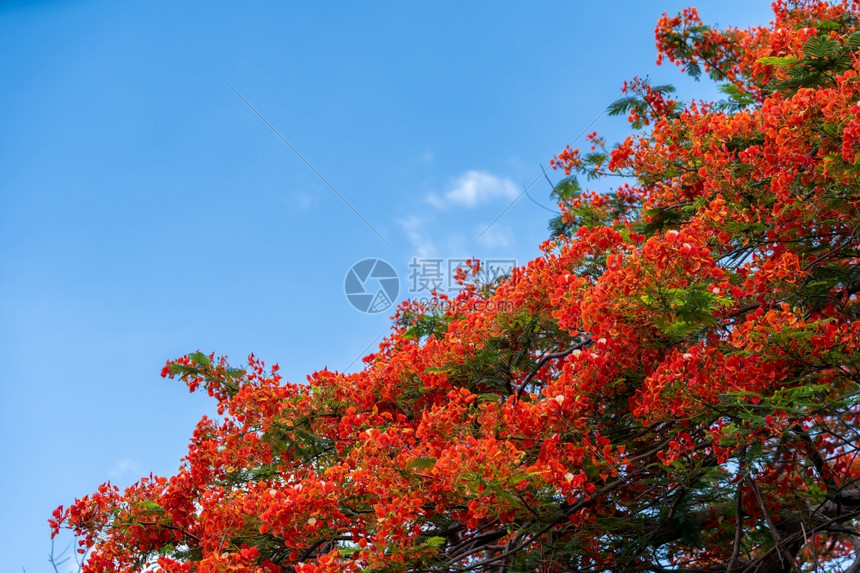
{"x":146,"y":211}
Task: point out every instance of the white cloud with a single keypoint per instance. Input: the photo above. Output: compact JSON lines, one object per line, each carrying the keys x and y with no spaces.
{"x":300,"y":201}
{"x":123,"y":470}
{"x":418,"y":236}
{"x":472,"y":188}
{"x":497,"y":236}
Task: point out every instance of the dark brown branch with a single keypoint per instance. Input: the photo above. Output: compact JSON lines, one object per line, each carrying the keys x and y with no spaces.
{"x":782,"y":552}
{"x":739,"y":528}
{"x":518,"y":389}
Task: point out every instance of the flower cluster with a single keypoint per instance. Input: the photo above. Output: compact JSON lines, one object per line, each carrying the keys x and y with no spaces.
{"x":672,"y":385}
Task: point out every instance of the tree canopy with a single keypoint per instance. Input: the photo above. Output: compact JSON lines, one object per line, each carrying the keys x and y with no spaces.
{"x":672,"y":386}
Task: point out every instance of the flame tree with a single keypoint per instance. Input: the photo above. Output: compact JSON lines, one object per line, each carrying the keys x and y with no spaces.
{"x":671,"y":386}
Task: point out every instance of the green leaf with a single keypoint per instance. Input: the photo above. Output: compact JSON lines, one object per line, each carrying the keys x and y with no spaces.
{"x":738,"y":98}
{"x":423,"y":463}
{"x":568,"y":188}
{"x":828,"y":26}
{"x":199,"y":358}
{"x":854,"y":40}
{"x":435,"y":541}
{"x":821,"y":47}
{"x":777,"y":61}
{"x":150,"y":505}
{"x":621,"y":105}
{"x":436,"y":369}
{"x":595,"y":158}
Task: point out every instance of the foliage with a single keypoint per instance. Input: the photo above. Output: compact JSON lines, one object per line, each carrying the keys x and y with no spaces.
{"x":673,"y":385}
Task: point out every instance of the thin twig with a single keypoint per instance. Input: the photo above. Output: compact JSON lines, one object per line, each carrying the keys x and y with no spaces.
{"x":739,"y":528}
{"x":782,"y":552}
{"x":518,"y":389}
